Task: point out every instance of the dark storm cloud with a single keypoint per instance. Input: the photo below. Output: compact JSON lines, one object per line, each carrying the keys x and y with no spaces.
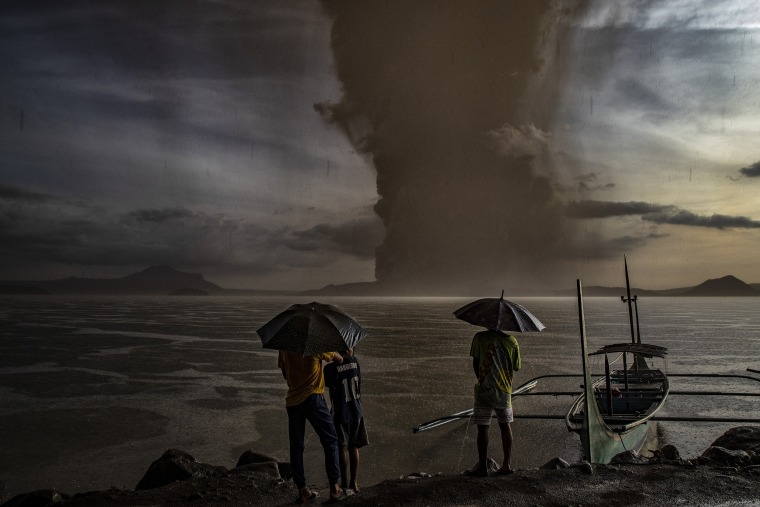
{"x":50,"y":229}
{"x":13,"y":193}
{"x":161,"y":215}
{"x":357,"y":237}
{"x":677,"y":216}
{"x":656,"y":213}
{"x":589,"y":183}
{"x":751,"y":171}
{"x":438,"y":94}
{"x":169,"y":37}
{"x":605,"y":209}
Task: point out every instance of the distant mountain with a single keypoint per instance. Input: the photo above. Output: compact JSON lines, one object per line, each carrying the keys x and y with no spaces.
{"x":154,"y":280}
{"x":600,"y":291}
{"x":351,"y":289}
{"x":187,"y":291}
{"x":726,"y":286}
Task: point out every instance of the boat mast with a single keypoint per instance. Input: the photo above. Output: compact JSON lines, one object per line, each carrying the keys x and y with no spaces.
{"x":589,"y":402}
{"x":628,"y":299}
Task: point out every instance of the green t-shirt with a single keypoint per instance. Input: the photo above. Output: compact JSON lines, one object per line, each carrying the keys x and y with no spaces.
{"x":498,"y":357}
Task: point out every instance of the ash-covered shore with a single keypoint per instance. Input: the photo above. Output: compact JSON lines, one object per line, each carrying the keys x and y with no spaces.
{"x":726,"y":474}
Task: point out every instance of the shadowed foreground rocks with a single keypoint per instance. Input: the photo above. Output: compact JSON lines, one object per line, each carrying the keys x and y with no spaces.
{"x":728,"y":471}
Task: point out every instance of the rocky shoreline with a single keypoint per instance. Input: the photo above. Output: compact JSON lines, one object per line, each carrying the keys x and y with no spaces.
{"x":727,"y":473}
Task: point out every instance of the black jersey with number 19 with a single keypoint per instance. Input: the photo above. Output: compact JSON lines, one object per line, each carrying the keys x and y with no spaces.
{"x":344,"y":381}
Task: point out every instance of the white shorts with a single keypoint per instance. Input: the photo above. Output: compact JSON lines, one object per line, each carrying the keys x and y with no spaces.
{"x":482,"y":414}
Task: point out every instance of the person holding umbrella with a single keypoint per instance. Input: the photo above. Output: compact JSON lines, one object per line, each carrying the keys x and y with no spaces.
{"x":306,"y":335}
{"x":305,"y":401}
{"x":495,"y":358}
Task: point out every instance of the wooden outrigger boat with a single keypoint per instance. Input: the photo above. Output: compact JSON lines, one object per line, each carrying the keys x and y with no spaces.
{"x":618,"y":411}
{"x":613,"y":414}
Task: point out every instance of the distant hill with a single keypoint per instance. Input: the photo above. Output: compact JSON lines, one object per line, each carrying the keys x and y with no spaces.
{"x":187,"y":291}
{"x":725,"y":286}
{"x":600,"y":291}
{"x":154,"y":280}
{"x":728,"y":286}
{"x":350,"y":289}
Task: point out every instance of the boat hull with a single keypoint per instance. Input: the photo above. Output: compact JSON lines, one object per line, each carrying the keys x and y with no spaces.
{"x":607,"y":444}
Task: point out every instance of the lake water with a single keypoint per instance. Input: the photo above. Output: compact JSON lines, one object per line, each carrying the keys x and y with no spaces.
{"x":92,"y":390}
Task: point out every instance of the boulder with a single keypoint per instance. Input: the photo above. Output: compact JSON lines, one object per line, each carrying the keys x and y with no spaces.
{"x":176,"y":465}
{"x":39,"y":498}
{"x":555,"y":464}
{"x":667,"y":455}
{"x":745,"y":438}
{"x":267,"y":468}
{"x":252,"y":457}
{"x":249,"y":457}
{"x":629,"y":458}
{"x":584,"y":466}
{"x":726,"y":457}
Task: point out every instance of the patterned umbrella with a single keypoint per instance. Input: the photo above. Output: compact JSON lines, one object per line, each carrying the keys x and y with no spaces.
{"x":499,"y":314}
{"x":310,"y":329}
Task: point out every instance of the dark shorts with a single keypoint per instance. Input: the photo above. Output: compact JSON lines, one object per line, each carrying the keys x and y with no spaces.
{"x":352,"y":434}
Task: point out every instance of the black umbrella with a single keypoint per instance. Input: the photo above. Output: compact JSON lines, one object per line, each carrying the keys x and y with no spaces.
{"x":310,"y":329}
{"x":499,"y":314}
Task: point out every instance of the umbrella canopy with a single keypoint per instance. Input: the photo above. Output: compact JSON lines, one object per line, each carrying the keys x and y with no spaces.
{"x":499,"y":314}
{"x":310,"y":329}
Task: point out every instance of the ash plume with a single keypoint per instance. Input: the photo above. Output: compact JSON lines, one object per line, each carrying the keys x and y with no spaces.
{"x":452,"y":101}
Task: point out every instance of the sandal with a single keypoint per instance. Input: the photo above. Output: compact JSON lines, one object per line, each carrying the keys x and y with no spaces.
{"x":301,"y":500}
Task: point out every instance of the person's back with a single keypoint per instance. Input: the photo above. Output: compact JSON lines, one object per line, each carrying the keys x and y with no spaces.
{"x":495,"y":356}
{"x":499,"y":357}
{"x":344,"y":382}
{"x":303,"y":375}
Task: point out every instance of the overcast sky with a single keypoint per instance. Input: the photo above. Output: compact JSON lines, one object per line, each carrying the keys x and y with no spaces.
{"x":438,"y":146}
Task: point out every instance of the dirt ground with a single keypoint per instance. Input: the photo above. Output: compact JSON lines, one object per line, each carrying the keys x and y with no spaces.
{"x":620,"y":485}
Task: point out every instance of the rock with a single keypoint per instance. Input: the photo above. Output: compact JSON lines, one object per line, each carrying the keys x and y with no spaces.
{"x":629,"y":458}
{"x":176,"y":465}
{"x":39,"y":498}
{"x":268,"y":468}
{"x":418,"y":475}
{"x":585,"y":466}
{"x":249,"y":457}
{"x":725,"y":457}
{"x":555,"y":464}
{"x":668,"y":455}
{"x":745,"y":438}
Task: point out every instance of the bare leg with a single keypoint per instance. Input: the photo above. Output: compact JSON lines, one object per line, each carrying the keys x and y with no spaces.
{"x":343,"y":465}
{"x":483,"y":447}
{"x":354,"y":456}
{"x":506,"y":444}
